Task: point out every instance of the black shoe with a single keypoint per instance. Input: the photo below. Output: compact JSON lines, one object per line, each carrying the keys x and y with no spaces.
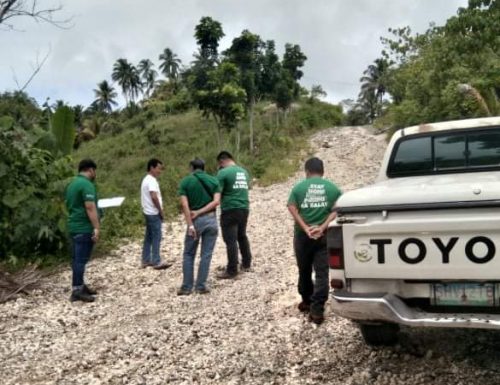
{"x":182,"y":291}
{"x":88,"y":290}
{"x":318,"y":319}
{"x":226,"y":275}
{"x":80,"y":295}
{"x":162,"y":266}
{"x":304,"y":307}
{"x":203,"y":291}
{"x":246,"y":269}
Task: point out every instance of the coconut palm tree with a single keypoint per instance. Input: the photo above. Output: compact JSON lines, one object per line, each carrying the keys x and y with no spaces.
{"x":127,"y":76}
{"x":148,"y":76}
{"x":105,"y":96}
{"x":373,"y":86}
{"x":170,"y":64}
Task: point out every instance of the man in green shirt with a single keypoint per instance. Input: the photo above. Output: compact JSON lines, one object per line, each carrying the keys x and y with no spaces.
{"x":83,"y":226}
{"x":200,"y":195}
{"x":311,"y":203}
{"x":235,"y":182}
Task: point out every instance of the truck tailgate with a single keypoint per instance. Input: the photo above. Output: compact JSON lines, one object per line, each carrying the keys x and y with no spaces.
{"x":424,"y":245}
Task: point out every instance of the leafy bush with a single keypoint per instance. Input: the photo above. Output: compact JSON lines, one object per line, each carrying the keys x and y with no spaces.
{"x":153,"y":135}
{"x":32,"y":181}
{"x":178,"y":103}
{"x":316,"y":115}
{"x":112,"y":126}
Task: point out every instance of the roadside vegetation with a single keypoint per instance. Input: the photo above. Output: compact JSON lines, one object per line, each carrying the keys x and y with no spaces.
{"x":449,"y":72}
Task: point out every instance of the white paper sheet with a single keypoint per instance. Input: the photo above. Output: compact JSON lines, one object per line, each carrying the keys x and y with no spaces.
{"x":110,"y":202}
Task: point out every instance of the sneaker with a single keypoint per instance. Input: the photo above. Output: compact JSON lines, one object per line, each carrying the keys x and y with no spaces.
{"x":182,"y":291}
{"x":203,"y":291}
{"x":162,"y":266}
{"x":88,"y":290}
{"x":304,"y":307}
{"x":80,"y":295}
{"x":226,"y":275}
{"x":318,"y":319}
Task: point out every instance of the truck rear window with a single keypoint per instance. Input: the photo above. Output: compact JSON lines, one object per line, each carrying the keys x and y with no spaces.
{"x":446,"y":153}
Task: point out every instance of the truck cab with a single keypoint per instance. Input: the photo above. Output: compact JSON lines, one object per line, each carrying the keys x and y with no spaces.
{"x":421,"y":246}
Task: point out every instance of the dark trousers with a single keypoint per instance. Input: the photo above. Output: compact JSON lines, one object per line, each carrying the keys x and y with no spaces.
{"x":81,"y":248}
{"x":311,"y":254}
{"x":233,"y":224}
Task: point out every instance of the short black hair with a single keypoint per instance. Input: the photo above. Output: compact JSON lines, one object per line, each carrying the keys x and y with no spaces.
{"x":86,"y":164}
{"x":314,"y":166}
{"x":223,"y":155}
{"x":153,"y":163}
{"x":197,"y":164}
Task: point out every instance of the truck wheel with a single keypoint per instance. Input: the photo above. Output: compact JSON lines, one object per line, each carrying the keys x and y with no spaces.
{"x":380,"y":334}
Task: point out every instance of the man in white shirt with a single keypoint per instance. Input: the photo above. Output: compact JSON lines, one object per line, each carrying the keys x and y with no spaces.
{"x":152,"y":208}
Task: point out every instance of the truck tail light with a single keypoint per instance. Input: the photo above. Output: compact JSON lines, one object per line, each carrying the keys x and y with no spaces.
{"x":336,"y":258}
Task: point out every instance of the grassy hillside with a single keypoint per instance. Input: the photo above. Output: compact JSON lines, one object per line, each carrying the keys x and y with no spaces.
{"x":122,"y":153}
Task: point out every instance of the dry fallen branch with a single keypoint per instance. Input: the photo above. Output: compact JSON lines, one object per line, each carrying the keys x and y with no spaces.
{"x":22,"y":282}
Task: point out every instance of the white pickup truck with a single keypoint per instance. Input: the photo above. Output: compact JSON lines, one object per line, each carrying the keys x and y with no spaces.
{"x":421,"y":246}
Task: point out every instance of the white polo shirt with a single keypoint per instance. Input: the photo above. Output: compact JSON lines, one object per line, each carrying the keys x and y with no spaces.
{"x":150,"y":184}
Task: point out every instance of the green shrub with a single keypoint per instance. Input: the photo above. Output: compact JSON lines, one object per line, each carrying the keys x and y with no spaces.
{"x":32,"y":213}
{"x":153,"y":135}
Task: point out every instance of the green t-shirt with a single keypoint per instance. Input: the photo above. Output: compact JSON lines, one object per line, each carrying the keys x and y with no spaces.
{"x":79,"y":191}
{"x":314,"y":198}
{"x":234,"y":182}
{"x":192,"y":188}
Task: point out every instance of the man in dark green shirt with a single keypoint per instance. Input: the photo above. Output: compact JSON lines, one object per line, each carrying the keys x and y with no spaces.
{"x":311,"y":203}
{"x":235,"y":182}
{"x":83,"y":226}
{"x":200,"y":195}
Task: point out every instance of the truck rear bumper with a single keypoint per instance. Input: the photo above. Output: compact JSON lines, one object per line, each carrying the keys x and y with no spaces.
{"x":384,"y":307}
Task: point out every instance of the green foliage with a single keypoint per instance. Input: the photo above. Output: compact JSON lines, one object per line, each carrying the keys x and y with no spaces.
{"x":181,"y":102}
{"x":450,"y":72}
{"x":20,"y":107}
{"x":32,"y":180}
{"x":223,"y":99}
{"x":208,"y":33}
{"x":63,"y":128}
{"x":316,"y":115}
{"x":153,"y":135}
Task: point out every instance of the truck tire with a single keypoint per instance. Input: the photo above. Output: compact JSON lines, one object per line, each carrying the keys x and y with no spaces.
{"x":384,"y":334}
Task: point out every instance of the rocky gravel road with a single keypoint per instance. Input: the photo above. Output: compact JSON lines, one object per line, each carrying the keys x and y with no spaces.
{"x":246,"y":331}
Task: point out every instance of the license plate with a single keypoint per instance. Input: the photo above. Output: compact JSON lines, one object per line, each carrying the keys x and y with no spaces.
{"x":464,"y":294}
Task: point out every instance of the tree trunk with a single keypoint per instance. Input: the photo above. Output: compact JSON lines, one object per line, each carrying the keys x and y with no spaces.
{"x":238,"y":140}
{"x":250,"y":123}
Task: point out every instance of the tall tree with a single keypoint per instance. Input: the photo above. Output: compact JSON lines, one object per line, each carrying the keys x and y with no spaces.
{"x":208,"y":33}
{"x":105,"y":96}
{"x":293,"y":60}
{"x":148,"y":75}
{"x":170,"y":64}
{"x":271,"y":69}
{"x":223,"y":98}
{"x":245,"y":53}
{"x":127,"y":76}
{"x":373,"y":86}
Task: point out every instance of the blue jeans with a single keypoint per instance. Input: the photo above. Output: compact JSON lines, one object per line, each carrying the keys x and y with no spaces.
{"x":152,"y":239}
{"x":81,"y":248}
{"x":206,"y":230}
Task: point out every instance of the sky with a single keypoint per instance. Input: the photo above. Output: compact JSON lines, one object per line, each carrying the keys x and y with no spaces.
{"x":339,"y":37}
